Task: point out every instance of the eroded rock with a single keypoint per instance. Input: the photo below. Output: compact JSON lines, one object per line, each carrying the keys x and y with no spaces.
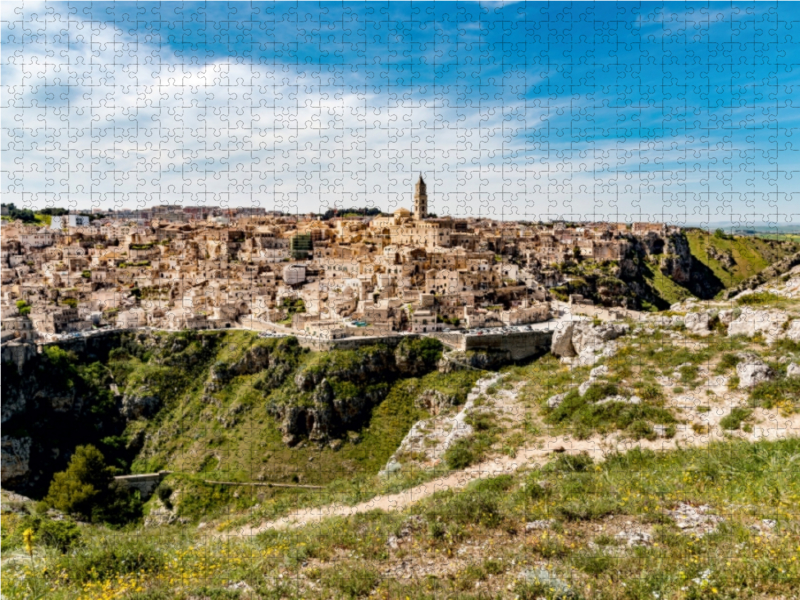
{"x":752,"y":371}
{"x":16,"y":456}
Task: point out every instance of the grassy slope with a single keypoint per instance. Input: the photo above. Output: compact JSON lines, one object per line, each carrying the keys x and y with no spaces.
{"x":233,"y":438}
{"x":473,"y":543}
{"x":751,"y":254}
{"x":347,"y":557}
{"x":665,"y":287}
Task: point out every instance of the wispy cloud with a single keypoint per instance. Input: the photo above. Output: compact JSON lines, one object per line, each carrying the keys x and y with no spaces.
{"x":98,"y":113}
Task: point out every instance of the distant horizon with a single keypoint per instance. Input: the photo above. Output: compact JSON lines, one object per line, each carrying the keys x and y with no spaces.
{"x":727,"y":224}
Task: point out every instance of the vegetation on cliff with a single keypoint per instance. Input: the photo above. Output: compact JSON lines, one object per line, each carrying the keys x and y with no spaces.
{"x":658,"y":272}
{"x":225,"y":406}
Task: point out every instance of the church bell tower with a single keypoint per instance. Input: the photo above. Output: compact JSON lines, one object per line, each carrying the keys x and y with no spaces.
{"x":420,"y":199}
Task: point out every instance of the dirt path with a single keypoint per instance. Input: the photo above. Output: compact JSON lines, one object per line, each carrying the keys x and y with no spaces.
{"x":455,"y":480}
{"x":770,"y":428}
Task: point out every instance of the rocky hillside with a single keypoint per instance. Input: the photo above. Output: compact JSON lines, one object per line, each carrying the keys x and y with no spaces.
{"x":200,"y":402}
{"x":662,"y":270}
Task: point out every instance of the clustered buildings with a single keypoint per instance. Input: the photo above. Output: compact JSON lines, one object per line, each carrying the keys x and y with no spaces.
{"x":345,"y":276}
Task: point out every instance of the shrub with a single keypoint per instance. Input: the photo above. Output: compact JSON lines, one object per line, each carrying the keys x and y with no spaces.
{"x":758,"y":298}
{"x":573,"y":463}
{"x":587,"y":509}
{"x":733,"y":420}
{"x":641,"y":429}
{"x":460,"y":455}
{"x":112,"y":557}
{"x":726,"y":362}
{"x":61,"y":535}
{"x":768,"y":393}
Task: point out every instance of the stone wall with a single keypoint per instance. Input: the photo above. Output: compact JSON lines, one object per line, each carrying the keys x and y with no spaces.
{"x":18,"y":353}
{"x":146,"y":483}
{"x":521,"y":344}
{"x":352,"y":343}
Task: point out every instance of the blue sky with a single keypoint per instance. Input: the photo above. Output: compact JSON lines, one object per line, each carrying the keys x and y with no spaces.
{"x":684,"y":112}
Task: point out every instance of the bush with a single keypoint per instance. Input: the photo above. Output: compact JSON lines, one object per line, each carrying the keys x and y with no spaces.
{"x":726,"y":362}
{"x":733,"y":420}
{"x":460,"y":455}
{"x":768,"y":393}
{"x":113,"y":557}
{"x":758,"y":298}
{"x":61,"y":535}
{"x":587,"y":509}
{"x":573,"y":463}
{"x":641,"y":429}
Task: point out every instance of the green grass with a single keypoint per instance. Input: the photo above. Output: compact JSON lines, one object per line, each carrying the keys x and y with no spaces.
{"x":750,"y":254}
{"x":758,"y":299}
{"x":346,"y":557}
{"x":734,"y":419}
{"x":664,"y":287}
{"x":583,"y":416}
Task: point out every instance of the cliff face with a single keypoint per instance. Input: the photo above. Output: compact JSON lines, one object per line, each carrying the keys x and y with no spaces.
{"x":131,"y":394}
{"x":70,"y":395}
{"x":660,"y":270}
{"x":337,"y":392}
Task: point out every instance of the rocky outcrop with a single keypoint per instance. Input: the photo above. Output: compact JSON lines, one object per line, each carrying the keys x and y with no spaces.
{"x":793,"y":370}
{"x":774,"y":270}
{"x":752,"y":371}
{"x":793,"y":331}
{"x":434,"y":401}
{"x":584,"y":343}
{"x":750,"y":322}
{"x":725,"y":259}
{"x":328,"y":416}
{"x":255,"y":360}
{"x":676,"y":262}
{"x":16,"y":456}
{"x":485,"y":360}
{"x":562,"y":341}
{"x":698,"y":323}
{"x":139,"y":403}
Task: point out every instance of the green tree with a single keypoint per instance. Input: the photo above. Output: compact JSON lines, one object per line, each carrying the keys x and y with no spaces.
{"x":77,"y":490}
{"x":23,"y":307}
{"x":88,"y":489}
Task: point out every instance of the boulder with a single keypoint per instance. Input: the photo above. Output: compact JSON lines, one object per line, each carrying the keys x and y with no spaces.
{"x":555,"y":401}
{"x":698,"y":323}
{"x":600,"y":371}
{"x":561,"y":344}
{"x":586,"y":335}
{"x":726,"y":316}
{"x":584,"y":387}
{"x":750,"y":322}
{"x":793,"y":370}
{"x":793,"y":331}
{"x":752,"y":371}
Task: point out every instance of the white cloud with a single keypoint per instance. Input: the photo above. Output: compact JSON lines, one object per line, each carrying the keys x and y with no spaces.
{"x":95,"y":116}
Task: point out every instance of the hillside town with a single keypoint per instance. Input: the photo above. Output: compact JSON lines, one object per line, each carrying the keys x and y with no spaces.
{"x":174,"y":268}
